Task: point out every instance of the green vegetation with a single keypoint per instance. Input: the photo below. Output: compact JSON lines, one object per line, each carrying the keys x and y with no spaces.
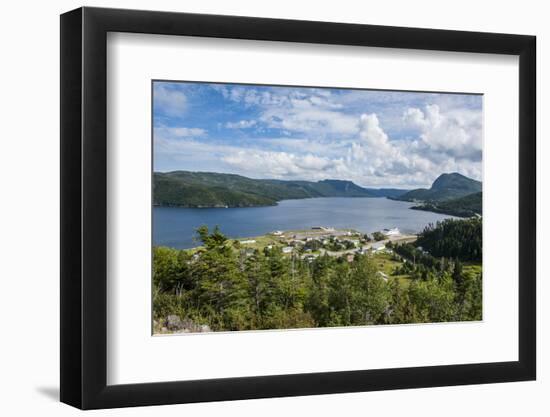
{"x":468,"y":206}
{"x":208,"y":189}
{"x":386,"y":192}
{"x":187,"y":189}
{"x":452,"y":194}
{"x":225,"y":285}
{"x":456,"y":239}
{"x":445,"y":187}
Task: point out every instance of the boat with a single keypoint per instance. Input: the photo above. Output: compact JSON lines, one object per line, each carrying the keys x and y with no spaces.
{"x":391,"y":232}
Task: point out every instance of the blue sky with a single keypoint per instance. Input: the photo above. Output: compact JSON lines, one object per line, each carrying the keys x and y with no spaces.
{"x":374,"y":138}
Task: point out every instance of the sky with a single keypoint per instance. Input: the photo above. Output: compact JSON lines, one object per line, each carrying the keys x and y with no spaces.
{"x":371,"y":137}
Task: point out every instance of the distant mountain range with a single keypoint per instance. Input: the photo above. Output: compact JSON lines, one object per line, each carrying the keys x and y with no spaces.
{"x":209,"y":189}
{"x":452,"y":193}
{"x":445,"y":187}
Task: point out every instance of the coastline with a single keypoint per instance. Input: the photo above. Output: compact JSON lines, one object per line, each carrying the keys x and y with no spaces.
{"x":315,"y":242}
{"x":225,"y":206}
{"x":456,"y":213}
{"x":176,"y":226}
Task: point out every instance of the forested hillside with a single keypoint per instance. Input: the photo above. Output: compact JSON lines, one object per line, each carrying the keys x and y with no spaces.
{"x":467,"y":206}
{"x":445,"y":187}
{"x":209,"y":189}
{"x":454,"y":239}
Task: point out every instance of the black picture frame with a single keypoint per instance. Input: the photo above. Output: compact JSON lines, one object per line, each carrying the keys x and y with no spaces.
{"x":84,"y":207}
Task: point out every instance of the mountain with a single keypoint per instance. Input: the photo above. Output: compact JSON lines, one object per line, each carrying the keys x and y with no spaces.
{"x":445,"y":187}
{"x":209,"y":189}
{"x":386,"y":192}
{"x":467,"y":206}
{"x":327,"y":188}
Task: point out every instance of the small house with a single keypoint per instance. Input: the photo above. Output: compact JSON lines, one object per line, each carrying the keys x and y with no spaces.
{"x":378,"y":247}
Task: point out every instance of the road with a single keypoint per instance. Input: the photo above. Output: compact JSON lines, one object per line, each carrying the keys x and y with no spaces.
{"x":393,"y":239}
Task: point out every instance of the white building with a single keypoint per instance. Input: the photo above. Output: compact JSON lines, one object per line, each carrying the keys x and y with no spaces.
{"x":287,"y":249}
{"x":377,"y":247}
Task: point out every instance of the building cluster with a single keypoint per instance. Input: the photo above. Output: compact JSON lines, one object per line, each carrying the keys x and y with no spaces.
{"x":334,"y":242}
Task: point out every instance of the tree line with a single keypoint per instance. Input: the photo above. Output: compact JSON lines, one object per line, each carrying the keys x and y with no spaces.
{"x":227,"y":287}
{"x":454,"y":239}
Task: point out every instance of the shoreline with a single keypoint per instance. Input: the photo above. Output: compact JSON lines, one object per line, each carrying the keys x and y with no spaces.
{"x":433,"y":209}
{"x":176,"y":226}
{"x":333,"y":242}
{"x":266,"y":205}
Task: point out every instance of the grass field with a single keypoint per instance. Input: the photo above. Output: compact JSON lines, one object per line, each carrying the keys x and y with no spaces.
{"x":261,"y":242}
{"x":387,"y":265}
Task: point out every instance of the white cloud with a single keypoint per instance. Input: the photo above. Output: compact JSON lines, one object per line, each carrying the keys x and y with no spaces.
{"x":279,"y":164}
{"x":241,"y":124}
{"x":168,"y":101}
{"x":295,"y":110}
{"x":326,"y":140}
{"x":371,"y":159}
{"x":179,"y":132}
{"x":455,"y":133}
{"x":305,"y":117}
{"x":251,"y":96}
{"x":372,"y":135}
{"x":414,"y":117}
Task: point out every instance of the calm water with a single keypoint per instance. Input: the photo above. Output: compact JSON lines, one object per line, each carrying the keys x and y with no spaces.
{"x":175,"y":227}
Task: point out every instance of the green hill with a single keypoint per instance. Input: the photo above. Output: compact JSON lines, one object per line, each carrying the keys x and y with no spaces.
{"x":467,"y":206}
{"x":445,"y":187}
{"x":386,"y":192}
{"x":209,"y":189}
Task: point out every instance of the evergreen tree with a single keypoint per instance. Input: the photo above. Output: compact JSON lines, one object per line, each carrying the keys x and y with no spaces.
{"x":228,"y":287}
